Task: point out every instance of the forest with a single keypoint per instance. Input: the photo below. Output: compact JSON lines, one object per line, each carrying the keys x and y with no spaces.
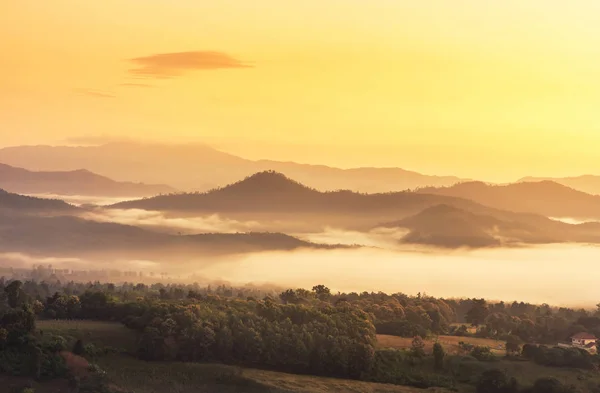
{"x":299,"y":331}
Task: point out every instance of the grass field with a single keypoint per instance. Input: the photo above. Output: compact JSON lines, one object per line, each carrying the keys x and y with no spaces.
{"x":104,"y":334}
{"x":450,"y":343}
{"x":173,"y":377}
{"x":159,"y":377}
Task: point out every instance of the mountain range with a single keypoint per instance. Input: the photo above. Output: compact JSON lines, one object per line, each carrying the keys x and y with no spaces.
{"x":37,"y":226}
{"x":586,"y":183}
{"x":272,"y":196}
{"x":77,"y":182}
{"x":26,"y":204}
{"x":433,"y":219}
{"x":547,"y":198}
{"x":201,"y":168}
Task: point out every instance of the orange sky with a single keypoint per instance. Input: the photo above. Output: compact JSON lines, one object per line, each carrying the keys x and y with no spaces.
{"x":484,"y":89}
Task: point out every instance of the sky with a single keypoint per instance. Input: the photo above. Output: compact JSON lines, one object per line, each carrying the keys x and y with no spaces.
{"x":493,"y":90}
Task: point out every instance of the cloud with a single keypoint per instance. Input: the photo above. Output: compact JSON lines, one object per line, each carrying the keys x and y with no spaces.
{"x":140,"y":85}
{"x":94,"y":93}
{"x":168,"y":65}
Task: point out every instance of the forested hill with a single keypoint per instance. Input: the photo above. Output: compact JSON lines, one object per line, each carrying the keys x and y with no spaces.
{"x":271,"y":191}
{"x":21,"y":203}
{"x":547,"y":198}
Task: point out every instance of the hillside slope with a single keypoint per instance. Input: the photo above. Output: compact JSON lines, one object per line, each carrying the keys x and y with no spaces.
{"x":273,"y":196}
{"x":450,"y":227}
{"x":78,"y":182}
{"x":589,"y":184}
{"x":546,"y":198}
{"x":22,"y":203}
{"x":69,"y":236}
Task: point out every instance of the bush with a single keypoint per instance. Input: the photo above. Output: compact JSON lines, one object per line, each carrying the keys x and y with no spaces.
{"x":466,"y":369}
{"x":78,"y":348}
{"x":483,"y":354}
{"x":496,"y":381}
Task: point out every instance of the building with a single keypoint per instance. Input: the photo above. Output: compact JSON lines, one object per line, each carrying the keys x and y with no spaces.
{"x":585,"y":341}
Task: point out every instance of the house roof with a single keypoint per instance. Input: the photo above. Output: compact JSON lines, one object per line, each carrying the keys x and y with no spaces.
{"x":584,"y":336}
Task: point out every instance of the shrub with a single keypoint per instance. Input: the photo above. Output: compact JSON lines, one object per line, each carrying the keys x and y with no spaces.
{"x":78,"y":348}
{"x":483,"y":354}
{"x":496,"y":381}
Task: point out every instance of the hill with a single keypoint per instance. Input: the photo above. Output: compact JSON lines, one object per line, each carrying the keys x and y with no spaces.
{"x":451,"y":227}
{"x":78,"y":182}
{"x":546,"y":198}
{"x":589,"y":184}
{"x":10,"y":201}
{"x":69,"y":236}
{"x":271,"y":195}
{"x":200,"y":167}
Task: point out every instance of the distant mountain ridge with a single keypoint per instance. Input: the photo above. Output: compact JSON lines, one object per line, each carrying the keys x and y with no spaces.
{"x":71,"y":236}
{"x":547,"y":198}
{"x":77,"y":182}
{"x":451,"y":227}
{"x":200,"y":167}
{"x":27,"y":204}
{"x":272,"y":194}
{"x":586,"y":183}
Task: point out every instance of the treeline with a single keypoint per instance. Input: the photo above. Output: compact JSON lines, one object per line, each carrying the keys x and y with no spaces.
{"x":301,"y":331}
{"x":395,"y":314}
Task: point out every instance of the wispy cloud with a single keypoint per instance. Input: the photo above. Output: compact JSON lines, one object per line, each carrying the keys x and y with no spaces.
{"x":94,"y":93}
{"x":169,"y":65}
{"x":140,"y":85}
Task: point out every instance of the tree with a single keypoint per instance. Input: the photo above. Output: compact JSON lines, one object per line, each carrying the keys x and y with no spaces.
{"x":496,"y":381}
{"x":477,"y":313}
{"x":13,"y":293}
{"x":438,"y":356}
{"x":550,"y":385}
{"x":78,"y":348}
{"x":418,"y":347}
{"x":513,"y":345}
{"x":322,"y":292}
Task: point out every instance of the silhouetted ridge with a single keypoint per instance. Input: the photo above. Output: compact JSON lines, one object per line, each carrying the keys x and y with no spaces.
{"x":76,"y":182}
{"x":546,"y":197}
{"x":73,"y":236}
{"x":21,"y":202}
{"x":270,"y":181}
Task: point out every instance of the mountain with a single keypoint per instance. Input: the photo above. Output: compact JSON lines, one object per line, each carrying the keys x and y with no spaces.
{"x":78,"y":182}
{"x":546,"y":198}
{"x":200,"y":167}
{"x":589,"y":184}
{"x":451,"y":227}
{"x":271,"y":195}
{"x":26,"y":204}
{"x":69,"y":236}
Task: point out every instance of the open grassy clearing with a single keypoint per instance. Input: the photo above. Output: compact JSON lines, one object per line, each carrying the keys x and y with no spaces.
{"x":160,"y":377}
{"x":174,"y":377}
{"x":450,"y":343}
{"x":103,"y":334}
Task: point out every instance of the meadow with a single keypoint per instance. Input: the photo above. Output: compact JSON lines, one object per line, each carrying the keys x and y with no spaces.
{"x":131,"y":374}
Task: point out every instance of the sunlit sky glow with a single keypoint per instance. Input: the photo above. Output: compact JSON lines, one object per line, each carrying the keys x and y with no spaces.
{"x":484,"y":89}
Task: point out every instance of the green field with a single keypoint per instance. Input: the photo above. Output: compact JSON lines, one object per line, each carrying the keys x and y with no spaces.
{"x":131,"y":374}
{"x":174,"y":377}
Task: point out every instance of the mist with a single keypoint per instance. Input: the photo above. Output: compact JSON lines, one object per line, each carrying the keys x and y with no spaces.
{"x":161,"y":221}
{"x":536,"y":275}
{"x":80,"y":200}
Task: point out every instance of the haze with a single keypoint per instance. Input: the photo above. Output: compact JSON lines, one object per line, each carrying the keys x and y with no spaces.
{"x":485,"y":90}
